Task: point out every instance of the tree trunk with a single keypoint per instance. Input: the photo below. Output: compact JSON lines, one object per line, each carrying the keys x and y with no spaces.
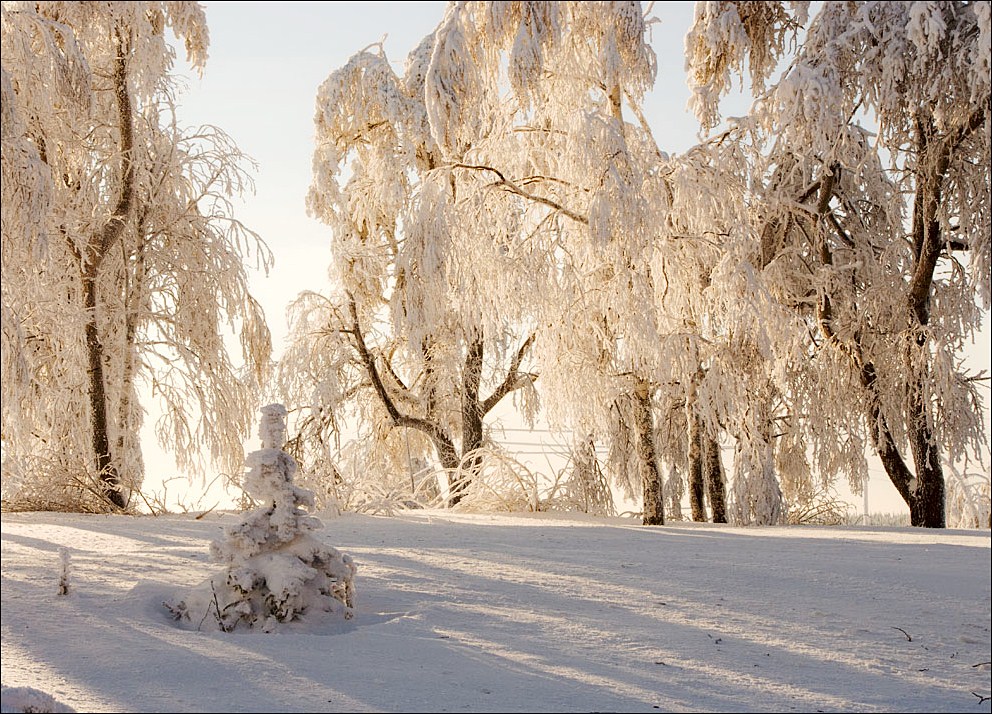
{"x":927,"y":504}
{"x":446,"y":452}
{"x":881,"y":436}
{"x":105,"y":465}
{"x":923,"y":493}
{"x":697,"y":486}
{"x":471,"y":420}
{"x":715,"y":482}
{"x":694,"y":450}
{"x":654,"y":503}
{"x":126,"y":448}
{"x":99,"y":247}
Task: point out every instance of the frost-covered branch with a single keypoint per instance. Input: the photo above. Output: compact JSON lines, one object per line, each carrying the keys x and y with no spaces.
{"x":513,"y":377}
{"x":515,"y":189}
{"x":432,"y":429}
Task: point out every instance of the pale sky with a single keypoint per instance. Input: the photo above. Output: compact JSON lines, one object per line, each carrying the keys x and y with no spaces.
{"x":267,"y":60}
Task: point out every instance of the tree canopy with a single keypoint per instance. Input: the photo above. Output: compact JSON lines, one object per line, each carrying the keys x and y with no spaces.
{"x":792,"y":287}
{"x":744,"y":322}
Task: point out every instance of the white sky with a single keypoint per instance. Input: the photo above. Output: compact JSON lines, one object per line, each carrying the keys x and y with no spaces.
{"x":500,"y":613}
{"x":266,"y":62}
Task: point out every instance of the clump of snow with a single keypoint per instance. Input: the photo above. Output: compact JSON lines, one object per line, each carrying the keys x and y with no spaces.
{"x":27,"y":699}
{"x":276,"y":570}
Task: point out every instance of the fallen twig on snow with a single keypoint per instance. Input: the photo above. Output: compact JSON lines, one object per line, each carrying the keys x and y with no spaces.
{"x":909,"y":638}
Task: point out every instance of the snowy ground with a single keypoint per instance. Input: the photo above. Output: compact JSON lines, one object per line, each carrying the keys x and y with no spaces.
{"x":514,"y":614}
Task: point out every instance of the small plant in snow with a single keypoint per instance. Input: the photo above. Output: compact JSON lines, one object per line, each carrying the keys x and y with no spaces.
{"x":276,"y":571}
{"x":64,"y":568}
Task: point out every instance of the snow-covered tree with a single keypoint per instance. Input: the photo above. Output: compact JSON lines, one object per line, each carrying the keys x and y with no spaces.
{"x":554,"y":155}
{"x":630,"y":262}
{"x":276,"y":570}
{"x":122,"y":265}
{"x":869,"y":157}
{"x":400,"y":345}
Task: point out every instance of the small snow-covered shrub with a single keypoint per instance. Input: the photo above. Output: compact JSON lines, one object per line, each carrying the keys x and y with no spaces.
{"x":275,"y":570}
{"x":818,"y":507}
{"x":502,"y":483}
{"x":969,"y":500}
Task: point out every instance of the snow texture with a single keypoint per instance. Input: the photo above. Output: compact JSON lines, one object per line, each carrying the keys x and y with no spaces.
{"x":510,"y":613}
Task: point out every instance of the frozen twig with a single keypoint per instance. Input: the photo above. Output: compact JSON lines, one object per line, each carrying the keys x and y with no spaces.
{"x":908,"y":637}
{"x":206,"y":511}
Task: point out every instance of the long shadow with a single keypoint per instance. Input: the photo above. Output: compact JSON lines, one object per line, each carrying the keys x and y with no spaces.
{"x":823,"y":581}
{"x":696,"y":646}
{"x":160,"y":531}
{"x":492,"y":621}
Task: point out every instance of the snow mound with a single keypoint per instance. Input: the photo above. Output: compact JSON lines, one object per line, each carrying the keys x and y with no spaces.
{"x":27,"y":699}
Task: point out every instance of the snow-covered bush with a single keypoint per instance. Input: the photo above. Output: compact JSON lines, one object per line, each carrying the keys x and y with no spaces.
{"x":365,"y":478}
{"x":969,"y":499}
{"x":502,"y":483}
{"x":276,"y":571}
{"x":818,"y":507}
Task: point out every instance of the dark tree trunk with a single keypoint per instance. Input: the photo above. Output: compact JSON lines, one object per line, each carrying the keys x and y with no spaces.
{"x":716,"y":484}
{"x":923,"y":493}
{"x":654,"y":503}
{"x":105,"y":465}
{"x":926,"y":497}
{"x":446,"y":452}
{"x":927,"y":506}
{"x":99,"y":247}
{"x":697,"y":485}
{"x":471,"y":421}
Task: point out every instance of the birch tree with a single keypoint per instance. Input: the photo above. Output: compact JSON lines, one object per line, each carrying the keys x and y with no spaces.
{"x":627,"y":259}
{"x":401,"y":346}
{"x":876,"y":235}
{"x":122,"y":263}
{"x":558,"y":145}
